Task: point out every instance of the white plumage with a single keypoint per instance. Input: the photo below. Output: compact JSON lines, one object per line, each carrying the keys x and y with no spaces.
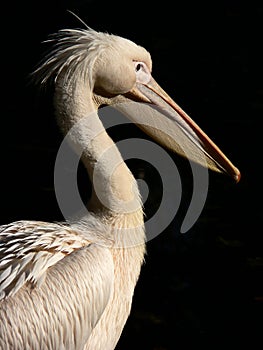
{"x":70,"y":286}
{"x":29,"y":248}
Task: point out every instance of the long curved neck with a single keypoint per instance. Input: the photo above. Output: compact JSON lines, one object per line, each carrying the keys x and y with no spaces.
{"x":114,"y":187}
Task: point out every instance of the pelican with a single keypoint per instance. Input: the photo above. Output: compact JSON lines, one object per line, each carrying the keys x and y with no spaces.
{"x":70,"y":286}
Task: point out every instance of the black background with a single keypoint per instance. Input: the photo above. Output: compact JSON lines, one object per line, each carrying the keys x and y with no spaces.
{"x":202,"y":288}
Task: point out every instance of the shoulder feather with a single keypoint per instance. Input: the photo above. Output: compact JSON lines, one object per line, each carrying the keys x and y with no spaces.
{"x":29,"y":248}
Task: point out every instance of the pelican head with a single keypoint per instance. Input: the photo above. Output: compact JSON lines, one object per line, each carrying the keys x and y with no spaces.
{"x":115,"y":71}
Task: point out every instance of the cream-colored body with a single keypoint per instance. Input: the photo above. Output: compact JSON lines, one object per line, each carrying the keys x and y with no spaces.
{"x":81,"y":301}
{"x":70,"y":285}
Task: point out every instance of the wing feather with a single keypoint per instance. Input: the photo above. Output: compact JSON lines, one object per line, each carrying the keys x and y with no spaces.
{"x":29,"y":248}
{"x":74,"y":271}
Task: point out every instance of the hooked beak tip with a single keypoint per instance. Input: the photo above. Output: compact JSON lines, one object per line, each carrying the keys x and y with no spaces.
{"x":237,"y":176}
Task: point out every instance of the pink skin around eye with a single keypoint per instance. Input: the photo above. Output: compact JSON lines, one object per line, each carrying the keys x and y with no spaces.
{"x":143,"y":75}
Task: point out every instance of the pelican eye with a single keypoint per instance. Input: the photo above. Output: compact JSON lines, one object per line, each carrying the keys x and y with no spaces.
{"x":138,"y":67}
